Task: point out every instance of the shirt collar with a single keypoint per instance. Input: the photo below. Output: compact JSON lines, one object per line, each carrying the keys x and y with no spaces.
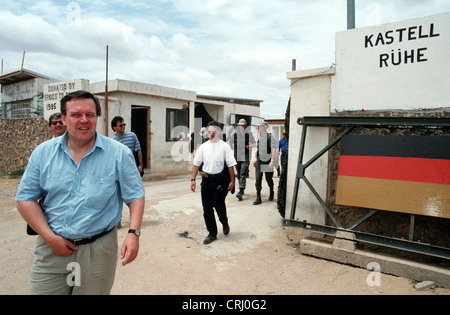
{"x":62,"y":141}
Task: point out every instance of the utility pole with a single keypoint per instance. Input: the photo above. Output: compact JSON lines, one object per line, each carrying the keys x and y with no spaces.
{"x":350,"y":14}
{"x":106,"y":92}
{"x":23,"y":60}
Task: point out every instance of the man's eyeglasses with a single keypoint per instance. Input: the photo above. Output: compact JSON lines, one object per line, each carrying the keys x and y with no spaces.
{"x":212,"y":132}
{"x":54,"y":123}
{"x":122,"y":125}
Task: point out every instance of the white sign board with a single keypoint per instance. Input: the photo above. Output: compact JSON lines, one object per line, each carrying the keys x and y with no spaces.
{"x":54,"y":92}
{"x":402,"y":65}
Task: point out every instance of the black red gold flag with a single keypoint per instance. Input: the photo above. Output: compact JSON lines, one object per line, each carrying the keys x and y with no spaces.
{"x":409,"y":174}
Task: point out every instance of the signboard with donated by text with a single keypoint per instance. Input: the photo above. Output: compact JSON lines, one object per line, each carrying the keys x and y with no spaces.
{"x":54,"y":92}
{"x":402,"y":65}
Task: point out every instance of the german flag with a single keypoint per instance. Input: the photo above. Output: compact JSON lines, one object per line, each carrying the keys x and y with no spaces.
{"x":409,"y":174}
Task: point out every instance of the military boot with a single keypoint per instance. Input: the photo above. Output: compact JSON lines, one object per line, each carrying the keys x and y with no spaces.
{"x":258,"y":198}
{"x":240,"y":193}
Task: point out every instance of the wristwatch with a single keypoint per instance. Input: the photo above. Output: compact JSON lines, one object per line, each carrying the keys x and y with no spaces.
{"x":137,"y":232}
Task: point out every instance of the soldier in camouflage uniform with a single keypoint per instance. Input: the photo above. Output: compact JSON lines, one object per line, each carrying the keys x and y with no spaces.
{"x":242,"y":140}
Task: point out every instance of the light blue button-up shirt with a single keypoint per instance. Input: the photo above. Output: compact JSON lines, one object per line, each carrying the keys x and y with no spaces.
{"x":84,"y":200}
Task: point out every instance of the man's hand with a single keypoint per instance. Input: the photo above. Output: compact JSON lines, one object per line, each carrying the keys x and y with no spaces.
{"x":130,"y":248}
{"x":31,"y":211}
{"x":230,"y":186}
{"x":60,"y":246}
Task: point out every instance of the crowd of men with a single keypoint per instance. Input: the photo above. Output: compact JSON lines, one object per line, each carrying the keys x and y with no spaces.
{"x":73,"y":190}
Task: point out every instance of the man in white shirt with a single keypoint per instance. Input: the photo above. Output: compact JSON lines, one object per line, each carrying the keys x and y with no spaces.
{"x":217,"y":179}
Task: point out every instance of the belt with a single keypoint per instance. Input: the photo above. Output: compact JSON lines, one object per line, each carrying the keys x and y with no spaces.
{"x":88,"y":240}
{"x":207,"y":175}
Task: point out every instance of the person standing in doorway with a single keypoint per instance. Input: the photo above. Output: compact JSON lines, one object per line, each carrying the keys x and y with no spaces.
{"x":242,"y":141}
{"x":129,"y":139}
{"x":56,"y":125}
{"x":265,"y":157}
{"x":85,"y":178}
{"x":217,"y":161}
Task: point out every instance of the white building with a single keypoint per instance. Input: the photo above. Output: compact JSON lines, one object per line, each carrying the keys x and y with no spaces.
{"x":157,"y":114}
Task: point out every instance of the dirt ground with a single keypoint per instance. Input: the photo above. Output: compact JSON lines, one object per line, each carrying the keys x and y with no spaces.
{"x":258,"y":257}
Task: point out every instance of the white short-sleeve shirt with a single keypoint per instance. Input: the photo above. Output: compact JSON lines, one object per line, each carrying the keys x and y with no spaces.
{"x":213,"y":156}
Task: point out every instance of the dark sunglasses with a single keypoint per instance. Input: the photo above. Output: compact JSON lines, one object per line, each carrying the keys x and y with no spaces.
{"x":122,"y":125}
{"x":210,"y":132}
{"x":54,"y":123}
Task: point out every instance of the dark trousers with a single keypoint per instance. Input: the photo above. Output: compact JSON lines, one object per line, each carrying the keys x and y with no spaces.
{"x":213,"y":197}
{"x":262,"y":168}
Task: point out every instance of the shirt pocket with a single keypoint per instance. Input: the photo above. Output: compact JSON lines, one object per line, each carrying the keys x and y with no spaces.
{"x":97,"y":191}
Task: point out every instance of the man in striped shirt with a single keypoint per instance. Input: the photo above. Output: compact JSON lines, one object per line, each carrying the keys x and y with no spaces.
{"x":129,"y":139}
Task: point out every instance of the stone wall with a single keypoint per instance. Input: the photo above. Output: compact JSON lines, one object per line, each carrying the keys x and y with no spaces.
{"x":18,"y":138}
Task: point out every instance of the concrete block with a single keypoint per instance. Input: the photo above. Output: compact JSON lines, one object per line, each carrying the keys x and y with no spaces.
{"x":345,"y":241}
{"x":346,"y":235}
{"x":425,"y":285}
{"x":388,"y":264}
{"x":343,"y":244}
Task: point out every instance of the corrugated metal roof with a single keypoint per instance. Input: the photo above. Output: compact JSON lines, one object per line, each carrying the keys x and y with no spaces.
{"x":21,"y":75}
{"x":236,"y":100}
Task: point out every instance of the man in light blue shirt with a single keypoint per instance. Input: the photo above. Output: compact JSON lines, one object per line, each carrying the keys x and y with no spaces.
{"x":85,"y":178}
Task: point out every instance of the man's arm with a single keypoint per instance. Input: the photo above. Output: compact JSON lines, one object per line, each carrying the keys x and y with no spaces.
{"x":32,"y":213}
{"x":273,"y":150}
{"x":194,"y":175}
{"x":141,"y":165}
{"x":130,"y":247}
{"x":231,"y":171}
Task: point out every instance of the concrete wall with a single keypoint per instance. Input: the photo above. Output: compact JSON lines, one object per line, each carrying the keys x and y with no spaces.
{"x":161,"y":158}
{"x":310,"y":96}
{"x":28,"y":93}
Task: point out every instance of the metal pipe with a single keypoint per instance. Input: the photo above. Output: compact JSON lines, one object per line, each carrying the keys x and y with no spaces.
{"x":106,"y":93}
{"x":350,"y":14}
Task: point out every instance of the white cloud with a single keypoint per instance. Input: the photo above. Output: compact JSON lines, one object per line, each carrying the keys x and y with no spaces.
{"x":221,"y":47}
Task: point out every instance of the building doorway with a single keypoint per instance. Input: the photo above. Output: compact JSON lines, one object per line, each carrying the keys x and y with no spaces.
{"x":141,"y":126}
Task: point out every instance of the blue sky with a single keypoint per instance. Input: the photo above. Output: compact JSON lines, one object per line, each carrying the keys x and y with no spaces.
{"x":217,"y":47}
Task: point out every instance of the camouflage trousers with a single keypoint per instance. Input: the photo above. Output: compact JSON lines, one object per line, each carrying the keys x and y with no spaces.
{"x":242,"y":173}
